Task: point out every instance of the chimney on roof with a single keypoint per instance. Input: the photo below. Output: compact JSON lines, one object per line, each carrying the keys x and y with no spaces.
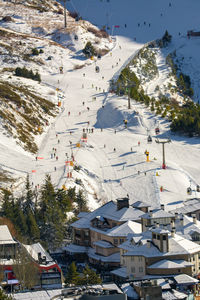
{"x":174,"y":229}
{"x":39,"y":257}
{"x":162,"y":206}
{"x":157,"y":224}
{"x":173,"y":233}
{"x":151,"y":213}
{"x":176,"y":215}
{"x":172,"y":224}
{"x":181,"y":221}
{"x":148,"y":244}
{"x":122,"y":202}
{"x":194,"y":219}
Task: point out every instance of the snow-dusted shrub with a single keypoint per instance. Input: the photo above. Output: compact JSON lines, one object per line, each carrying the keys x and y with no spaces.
{"x":73,"y":14}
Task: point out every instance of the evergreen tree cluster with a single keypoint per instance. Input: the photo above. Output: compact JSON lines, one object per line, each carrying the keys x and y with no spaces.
{"x":184,"y":84}
{"x":182,"y":80}
{"x":23,"y":72}
{"x":89,"y":276}
{"x":165,"y":40}
{"x":187,"y":120}
{"x":184,"y":119}
{"x":128,"y":83}
{"x":89,"y":50}
{"x":41,"y":215}
{"x":36,"y":52}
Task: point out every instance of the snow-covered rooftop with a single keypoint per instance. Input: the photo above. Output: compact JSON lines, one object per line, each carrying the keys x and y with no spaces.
{"x":139,"y":204}
{"x":109,"y":211}
{"x":36,"y":249}
{"x":103,"y":244}
{"x":109,"y":259}
{"x":72,"y":248}
{"x":185,"y":279}
{"x":122,"y":230}
{"x":157,"y":213}
{"x":170,"y":264}
{"x":177,"y":245}
{"x":5,"y":236}
{"x":121,"y":272}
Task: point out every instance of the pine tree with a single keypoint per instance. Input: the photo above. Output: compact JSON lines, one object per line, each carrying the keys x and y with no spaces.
{"x":71,"y":192}
{"x":90,"y":276}
{"x":63,"y":200}
{"x":33,"y":229}
{"x":7,"y":206}
{"x":19,"y":218}
{"x":28,"y":204}
{"x":89,"y":50}
{"x":81,"y":201}
{"x":47,"y":198}
{"x":72,"y":274}
{"x":50,"y":216}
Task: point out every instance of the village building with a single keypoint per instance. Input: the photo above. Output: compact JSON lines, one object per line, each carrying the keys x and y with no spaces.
{"x":190,"y":207}
{"x":48,"y":270}
{"x":158,"y":252}
{"x":98,"y":234}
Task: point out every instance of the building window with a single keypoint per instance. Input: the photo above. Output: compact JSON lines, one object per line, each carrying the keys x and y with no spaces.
{"x":158,"y":237}
{"x":140,"y":269}
{"x":139,"y":258}
{"x":121,"y":241}
{"x":164,"y":237}
{"x":115,"y":241}
{"x":132,"y":269}
{"x":132,"y":258}
{"x":154,"y":236}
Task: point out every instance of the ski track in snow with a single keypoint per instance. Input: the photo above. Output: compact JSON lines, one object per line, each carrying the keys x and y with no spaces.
{"x":122,"y":172}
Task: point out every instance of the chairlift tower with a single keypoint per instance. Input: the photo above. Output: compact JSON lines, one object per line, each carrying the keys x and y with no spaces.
{"x":163,"y":150}
{"x":128,"y":87}
{"x":65,"y":15}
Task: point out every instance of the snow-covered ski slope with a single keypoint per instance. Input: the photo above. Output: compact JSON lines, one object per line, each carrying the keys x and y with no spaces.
{"x":105,"y":173}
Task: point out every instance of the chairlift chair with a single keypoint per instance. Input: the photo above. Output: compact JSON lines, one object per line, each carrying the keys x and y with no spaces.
{"x":189,"y":191}
{"x":157,"y":130}
{"x":97,"y":69}
{"x":149,"y":139}
{"x":198,"y":188}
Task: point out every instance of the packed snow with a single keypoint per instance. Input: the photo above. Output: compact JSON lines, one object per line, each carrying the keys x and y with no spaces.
{"x":113,"y":162}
